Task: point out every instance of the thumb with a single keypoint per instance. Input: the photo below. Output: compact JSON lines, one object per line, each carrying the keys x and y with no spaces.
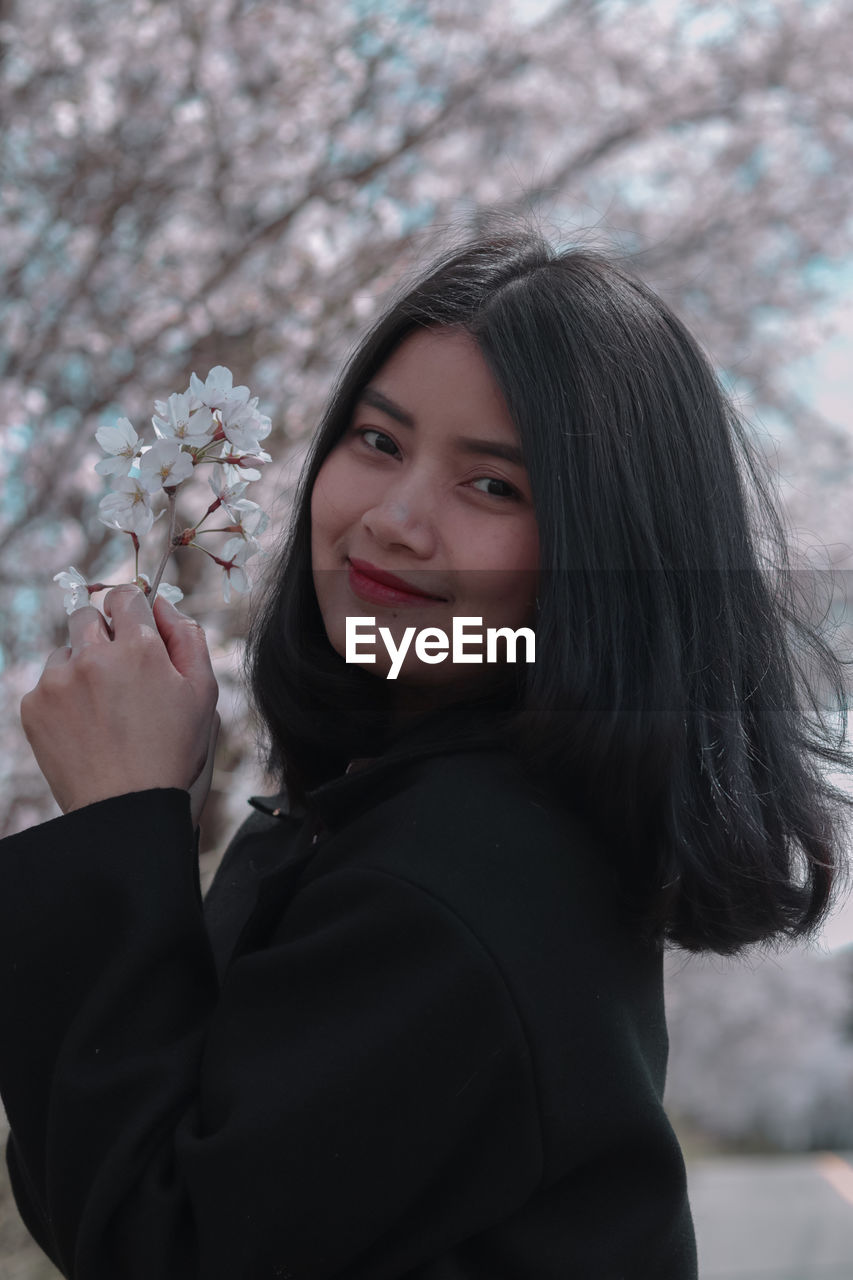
{"x":185,"y":643}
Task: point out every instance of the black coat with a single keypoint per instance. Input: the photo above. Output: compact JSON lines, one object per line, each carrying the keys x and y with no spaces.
{"x":435,"y":1050}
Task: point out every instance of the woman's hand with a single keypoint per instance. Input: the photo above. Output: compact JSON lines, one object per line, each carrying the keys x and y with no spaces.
{"x":127,"y":710}
{"x":200,"y":789}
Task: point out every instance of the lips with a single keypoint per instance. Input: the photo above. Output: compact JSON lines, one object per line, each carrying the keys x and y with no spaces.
{"x":373,"y":580}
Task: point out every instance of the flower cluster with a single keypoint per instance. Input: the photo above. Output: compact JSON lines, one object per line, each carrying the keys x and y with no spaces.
{"x":212,"y":422}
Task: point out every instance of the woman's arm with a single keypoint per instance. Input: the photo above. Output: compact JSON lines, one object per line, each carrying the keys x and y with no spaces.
{"x":356,"y":1098}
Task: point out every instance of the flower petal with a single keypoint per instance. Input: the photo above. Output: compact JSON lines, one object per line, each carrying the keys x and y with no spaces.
{"x":118,"y":439}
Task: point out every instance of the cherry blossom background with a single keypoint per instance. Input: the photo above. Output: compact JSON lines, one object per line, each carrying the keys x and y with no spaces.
{"x":237,"y":182}
{"x":241,"y":182}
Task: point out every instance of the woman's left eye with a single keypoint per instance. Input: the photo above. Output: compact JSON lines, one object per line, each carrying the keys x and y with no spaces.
{"x":372,"y":431}
{"x":509,"y":491}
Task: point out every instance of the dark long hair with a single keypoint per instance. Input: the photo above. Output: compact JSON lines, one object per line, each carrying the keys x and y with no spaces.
{"x":676,"y":695}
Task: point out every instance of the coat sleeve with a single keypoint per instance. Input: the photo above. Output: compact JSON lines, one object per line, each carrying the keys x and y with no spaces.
{"x":356,"y":1097}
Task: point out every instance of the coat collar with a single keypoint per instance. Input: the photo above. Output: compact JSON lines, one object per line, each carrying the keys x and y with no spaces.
{"x":453,"y":729}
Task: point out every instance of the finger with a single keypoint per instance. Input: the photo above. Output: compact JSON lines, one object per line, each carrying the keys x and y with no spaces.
{"x":58,"y":657}
{"x":185,"y":642}
{"x":86,"y":626}
{"x":127,"y":607}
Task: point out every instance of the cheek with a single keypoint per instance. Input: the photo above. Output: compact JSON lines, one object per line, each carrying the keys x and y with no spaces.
{"x":517,"y":550}
{"x":508,"y":589}
{"x":328,"y":502}
{"x":527,"y":548}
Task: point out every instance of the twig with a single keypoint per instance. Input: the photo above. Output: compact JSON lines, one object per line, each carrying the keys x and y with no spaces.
{"x":173,"y":517}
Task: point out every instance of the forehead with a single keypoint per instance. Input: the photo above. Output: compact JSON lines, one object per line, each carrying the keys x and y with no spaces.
{"x":441,"y":373}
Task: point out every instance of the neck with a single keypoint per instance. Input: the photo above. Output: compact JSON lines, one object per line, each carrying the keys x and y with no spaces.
{"x":411,"y":703}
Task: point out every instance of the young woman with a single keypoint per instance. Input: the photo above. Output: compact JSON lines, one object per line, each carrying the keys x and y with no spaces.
{"x":416,"y":1029}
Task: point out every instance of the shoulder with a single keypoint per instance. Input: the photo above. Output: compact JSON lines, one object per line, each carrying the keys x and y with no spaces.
{"x":470,"y":829}
{"x":480,"y":806}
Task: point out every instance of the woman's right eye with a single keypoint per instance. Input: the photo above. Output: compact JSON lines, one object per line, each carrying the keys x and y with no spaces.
{"x":364,"y":432}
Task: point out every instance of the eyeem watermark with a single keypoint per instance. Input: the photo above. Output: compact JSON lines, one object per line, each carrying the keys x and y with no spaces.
{"x":432,"y":644}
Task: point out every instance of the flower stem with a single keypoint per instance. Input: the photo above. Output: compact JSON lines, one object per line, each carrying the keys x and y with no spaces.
{"x":173,"y":517}
{"x":199,"y":547}
{"x":213,"y":507}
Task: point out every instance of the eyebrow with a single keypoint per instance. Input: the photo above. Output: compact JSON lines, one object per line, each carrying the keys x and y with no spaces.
{"x":494,"y":448}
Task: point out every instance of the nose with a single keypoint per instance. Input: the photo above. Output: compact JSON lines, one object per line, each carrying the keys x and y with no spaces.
{"x":403,"y":518}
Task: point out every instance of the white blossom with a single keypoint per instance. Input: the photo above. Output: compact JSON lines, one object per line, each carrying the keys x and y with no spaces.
{"x":74,"y":585}
{"x":170,"y":593}
{"x":236,"y":575}
{"x":244,"y":426}
{"x":251,"y":519}
{"x":175,"y":419}
{"x":165,"y":463}
{"x":185,"y":423}
{"x":251,"y":546}
{"x":234,"y":472}
{"x":227,"y":483}
{"x":128,"y":509}
{"x":217,"y":391}
{"x":121,"y":441}
{"x":252,"y":522}
{"x":165,"y":589}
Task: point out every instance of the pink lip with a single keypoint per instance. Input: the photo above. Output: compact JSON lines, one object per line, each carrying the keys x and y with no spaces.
{"x":380,"y":587}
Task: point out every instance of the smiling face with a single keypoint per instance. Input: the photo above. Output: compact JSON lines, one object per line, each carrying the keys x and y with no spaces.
{"x":426,"y":484}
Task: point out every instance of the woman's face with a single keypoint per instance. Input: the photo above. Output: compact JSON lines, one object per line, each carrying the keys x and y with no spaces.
{"x":427,"y":484}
